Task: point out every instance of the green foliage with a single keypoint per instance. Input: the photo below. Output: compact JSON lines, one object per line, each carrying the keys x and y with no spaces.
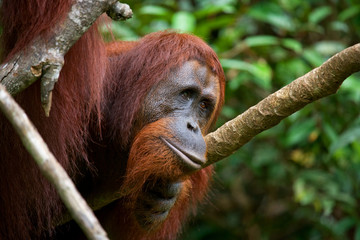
{"x":298,"y":180}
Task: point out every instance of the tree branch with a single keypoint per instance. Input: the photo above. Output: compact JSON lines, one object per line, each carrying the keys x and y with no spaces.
{"x":318,"y":83}
{"x":49,"y":167}
{"x":46,"y":59}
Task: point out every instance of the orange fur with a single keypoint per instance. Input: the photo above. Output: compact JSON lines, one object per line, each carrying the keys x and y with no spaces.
{"x":29,"y":205}
{"x":93,"y":85}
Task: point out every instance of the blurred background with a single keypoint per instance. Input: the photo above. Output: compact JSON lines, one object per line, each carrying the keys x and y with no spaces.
{"x":300,"y":179}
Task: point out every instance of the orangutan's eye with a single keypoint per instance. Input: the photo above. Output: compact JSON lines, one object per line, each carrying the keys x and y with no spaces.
{"x":203,"y":105}
{"x":206,"y":106}
{"x":187,"y":94}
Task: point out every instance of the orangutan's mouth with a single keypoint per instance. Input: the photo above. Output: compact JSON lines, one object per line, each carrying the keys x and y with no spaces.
{"x":190,"y":159}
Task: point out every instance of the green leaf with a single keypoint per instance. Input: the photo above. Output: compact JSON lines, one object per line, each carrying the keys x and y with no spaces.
{"x":328,"y":206}
{"x":313,"y":57}
{"x":351,"y":86}
{"x":204,"y":28}
{"x":340,"y":27}
{"x":272,"y":13}
{"x":346,"y":198}
{"x":349,"y":136}
{"x":290,"y":69}
{"x":319,"y":14}
{"x":343,"y":225}
{"x":292,"y":44}
{"x":158,"y":25}
{"x":262,"y":40}
{"x":299,"y":132}
{"x":213,"y":10}
{"x":183,"y":21}
{"x":154,"y":10}
{"x":330,"y":132}
{"x":303,"y":194}
{"x":236,"y":82}
{"x":316,"y":177}
{"x":261,"y":71}
{"x":235,"y":64}
{"x":329,"y":48}
{"x":349,"y":13}
{"x":121,"y":31}
{"x":229,"y":112}
{"x":357,"y":232}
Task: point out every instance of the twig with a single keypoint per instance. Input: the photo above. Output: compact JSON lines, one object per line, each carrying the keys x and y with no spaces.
{"x":50,"y":167}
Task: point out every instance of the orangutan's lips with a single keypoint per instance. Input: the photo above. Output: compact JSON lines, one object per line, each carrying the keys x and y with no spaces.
{"x":189,"y":159}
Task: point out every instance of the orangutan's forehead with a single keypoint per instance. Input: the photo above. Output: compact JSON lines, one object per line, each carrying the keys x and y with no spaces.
{"x":194,"y":71}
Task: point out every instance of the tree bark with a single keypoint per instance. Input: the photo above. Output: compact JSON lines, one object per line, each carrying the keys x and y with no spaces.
{"x":318,"y":83}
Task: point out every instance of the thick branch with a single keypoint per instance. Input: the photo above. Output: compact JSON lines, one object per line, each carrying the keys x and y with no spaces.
{"x":319,"y":83}
{"x":48,"y":165}
{"x":46,"y":58}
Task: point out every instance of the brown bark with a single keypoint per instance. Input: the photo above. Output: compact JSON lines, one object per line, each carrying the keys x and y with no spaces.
{"x":318,"y":83}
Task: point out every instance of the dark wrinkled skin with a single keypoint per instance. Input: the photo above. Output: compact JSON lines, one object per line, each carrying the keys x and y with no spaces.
{"x":153,"y":207}
{"x":188,"y":96}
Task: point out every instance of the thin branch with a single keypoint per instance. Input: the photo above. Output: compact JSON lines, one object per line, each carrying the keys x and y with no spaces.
{"x":318,"y":83}
{"x":50,"y":167}
{"x":46,"y":59}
